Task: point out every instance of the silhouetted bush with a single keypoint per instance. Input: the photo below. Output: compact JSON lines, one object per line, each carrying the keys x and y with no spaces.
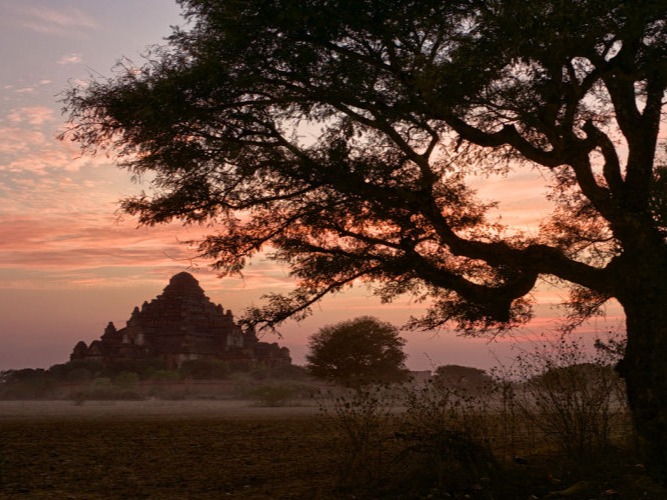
{"x":204,"y":369}
{"x":126,"y":380}
{"x":574,"y":399}
{"x":165,"y":376}
{"x":445,"y":436}
{"x":272,"y":395}
{"x":362,"y":421}
{"x":27,"y":383}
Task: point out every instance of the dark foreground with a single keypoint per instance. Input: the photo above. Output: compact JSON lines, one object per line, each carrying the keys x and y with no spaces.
{"x":97,"y":454}
{"x":164,"y":458}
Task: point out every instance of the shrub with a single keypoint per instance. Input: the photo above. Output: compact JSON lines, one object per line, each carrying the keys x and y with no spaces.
{"x":272,"y":395}
{"x":204,"y":369}
{"x":445,"y":439}
{"x":165,"y":376}
{"x":362,"y":420}
{"x":126,"y":380}
{"x":572,"y":397}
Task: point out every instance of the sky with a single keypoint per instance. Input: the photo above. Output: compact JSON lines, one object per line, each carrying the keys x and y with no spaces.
{"x":70,"y":263}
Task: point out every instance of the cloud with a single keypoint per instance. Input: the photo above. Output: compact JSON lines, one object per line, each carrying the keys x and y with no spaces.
{"x":29,"y":150}
{"x":23,"y":89}
{"x":70,"y":59}
{"x":26,"y":90}
{"x":73,"y":245}
{"x":16,"y":141}
{"x":33,"y":115}
{"x":67,"y":21}
{"x":521,"y":197}
{"x":28,"y":144}
{"x":84,"y":241}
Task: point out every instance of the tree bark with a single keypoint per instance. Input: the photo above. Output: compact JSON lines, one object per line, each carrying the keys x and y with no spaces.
{"x":644,"y":368}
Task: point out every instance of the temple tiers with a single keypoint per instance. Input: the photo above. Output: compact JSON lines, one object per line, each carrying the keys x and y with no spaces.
{"x":181,"y":324}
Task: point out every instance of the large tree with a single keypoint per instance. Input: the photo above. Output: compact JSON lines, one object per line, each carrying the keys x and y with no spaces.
{"x":341,"y":134}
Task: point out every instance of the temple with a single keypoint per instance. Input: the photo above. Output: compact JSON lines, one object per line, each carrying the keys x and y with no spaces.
{"x":178,"y":325}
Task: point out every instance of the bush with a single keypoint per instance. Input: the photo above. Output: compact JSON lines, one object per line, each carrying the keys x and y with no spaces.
{"x":272,"y":395}
{"x":102,"y":389}
{"x":363,"y":422}
{"x":27,"y":383}
{"x":445,"y":440}
{"x":573,"y":398}
{"x":165,"y":376}
{"x":204,"y":369}
{"x":126,"y":380}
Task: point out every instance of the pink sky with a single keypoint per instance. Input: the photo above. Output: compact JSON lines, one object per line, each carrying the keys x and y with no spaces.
{"x":68,"y":265}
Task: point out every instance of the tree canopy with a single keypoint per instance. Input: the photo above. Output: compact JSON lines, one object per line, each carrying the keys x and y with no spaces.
{"x":357,"y":352}
{"x":341,"y":136}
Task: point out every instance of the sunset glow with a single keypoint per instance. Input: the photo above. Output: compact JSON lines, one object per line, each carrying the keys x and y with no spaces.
{"x":69,"y":263}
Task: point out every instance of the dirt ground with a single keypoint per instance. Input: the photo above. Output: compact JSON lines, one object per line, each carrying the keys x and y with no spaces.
{"x":152,"y":408}
{"x":161,"y":450}
{"x":207,"y":449}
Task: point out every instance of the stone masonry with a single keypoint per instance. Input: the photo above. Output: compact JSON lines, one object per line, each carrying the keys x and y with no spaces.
{"x":181,"y":324}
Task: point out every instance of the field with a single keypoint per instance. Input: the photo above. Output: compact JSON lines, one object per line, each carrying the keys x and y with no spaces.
{"x":161,"y":450}
{"x":232,"y":449}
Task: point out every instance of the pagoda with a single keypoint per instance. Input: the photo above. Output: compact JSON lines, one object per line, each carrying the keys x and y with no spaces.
{"x":178,"y":325}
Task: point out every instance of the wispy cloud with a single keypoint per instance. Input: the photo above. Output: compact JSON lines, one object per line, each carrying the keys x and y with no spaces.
{"x":28,"y":143}
{"x":70,"y":59}
{"x":84,"y":242}
{"x":94,"y":250}
{"x":67,"y":21}
{"x":31,"y":150}
{"x":33,"y":115}
{"x":16,"y":140}
{"x":23,"y":89}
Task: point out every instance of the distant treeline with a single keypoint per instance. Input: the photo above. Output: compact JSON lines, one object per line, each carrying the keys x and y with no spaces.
{"x":122,"y":378}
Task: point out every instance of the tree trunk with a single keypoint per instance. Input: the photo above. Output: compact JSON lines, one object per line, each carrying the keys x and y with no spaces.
{"x":645,"y":371}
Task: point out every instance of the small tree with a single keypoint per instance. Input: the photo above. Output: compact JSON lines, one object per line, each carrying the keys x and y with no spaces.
{"x":357,"y":352}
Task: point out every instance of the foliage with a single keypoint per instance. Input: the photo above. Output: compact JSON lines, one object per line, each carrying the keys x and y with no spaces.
{"x":291,"y":372}
{"x":399,"y":100}
{"x":76,"y":371}
{"x":165,"y":376}
{"x":126,"y":380}
{"x":346,"y":142}
{"x":26,"y":383}
{"x":272,"y":395}
{"x":573,"y":398}
{"x":444,"y":431}
{"x":361,"y":420}
{"x":204,"y":369}
{"x":104,"y":389}
{"x":80,"y":370}
{"x":465,"y":377}
{"x":357,"y":352}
